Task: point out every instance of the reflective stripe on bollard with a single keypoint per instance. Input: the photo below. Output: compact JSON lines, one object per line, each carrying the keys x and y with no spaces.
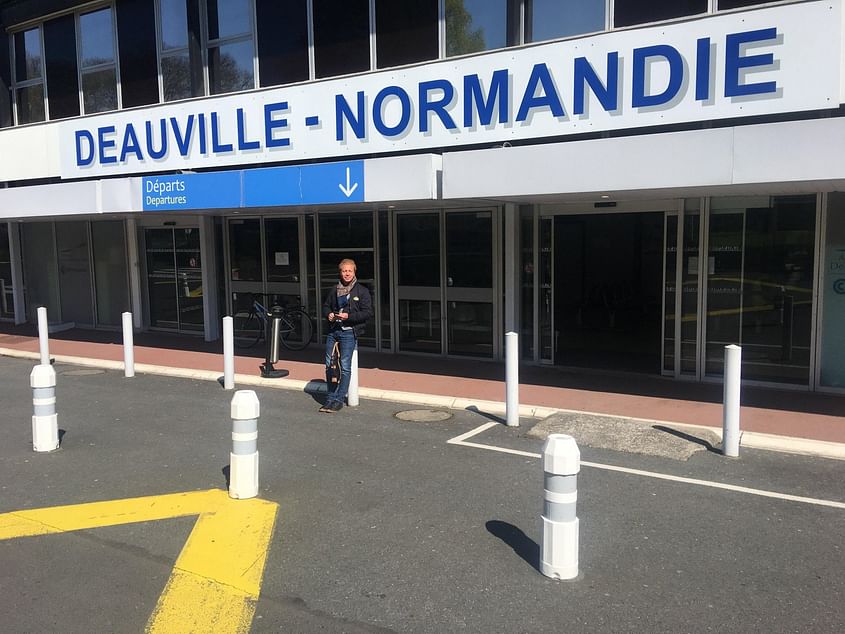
{"x":559,"y":542}
{"x":45,"y":425}
{"x":243,"y":461}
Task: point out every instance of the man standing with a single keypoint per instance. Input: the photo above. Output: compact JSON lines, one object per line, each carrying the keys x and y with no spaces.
{"x":348,"y":306}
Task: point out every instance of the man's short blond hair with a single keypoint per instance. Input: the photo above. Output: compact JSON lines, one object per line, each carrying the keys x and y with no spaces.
{"x":348,"y":261}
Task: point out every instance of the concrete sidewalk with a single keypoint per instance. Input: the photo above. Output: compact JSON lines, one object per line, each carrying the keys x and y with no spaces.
{"x":794,"y":421}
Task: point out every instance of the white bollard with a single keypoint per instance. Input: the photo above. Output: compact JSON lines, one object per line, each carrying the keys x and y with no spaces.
{"x":559,"y":543}
{"x":243,"y":461}
{"x":43,"y":336}
{"x":352,"y":393}
{"x":45,"y":423}
{"x":228,"y":353}
{"x":512,"y":379}
{"x":730,"y":408}
{"x":128,"y":346}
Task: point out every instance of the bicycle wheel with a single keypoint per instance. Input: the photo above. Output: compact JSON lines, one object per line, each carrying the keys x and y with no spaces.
{"x":248,"y":329}
{"x":296,"y":330}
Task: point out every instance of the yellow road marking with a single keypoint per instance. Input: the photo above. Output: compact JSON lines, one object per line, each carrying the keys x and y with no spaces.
{"x":216,"y":581}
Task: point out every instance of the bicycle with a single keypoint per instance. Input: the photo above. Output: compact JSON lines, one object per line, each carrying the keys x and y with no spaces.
{"x":295,"y":328}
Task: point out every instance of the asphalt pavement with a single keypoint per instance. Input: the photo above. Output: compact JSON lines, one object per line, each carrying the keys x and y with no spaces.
{"x":385,"y":526}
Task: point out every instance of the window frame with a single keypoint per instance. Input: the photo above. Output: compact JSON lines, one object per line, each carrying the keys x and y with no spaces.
{"x":209,"y":43}
{"x":27,"y":83}
{"x":114,"y":64}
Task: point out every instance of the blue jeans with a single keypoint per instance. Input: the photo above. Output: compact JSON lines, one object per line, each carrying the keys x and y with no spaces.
{"x":347,"y":342}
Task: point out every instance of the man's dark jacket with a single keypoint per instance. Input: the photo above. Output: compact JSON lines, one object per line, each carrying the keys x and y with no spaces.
{"x":360,"y":307}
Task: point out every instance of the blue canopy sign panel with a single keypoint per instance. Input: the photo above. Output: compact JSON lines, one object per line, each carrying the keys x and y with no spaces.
{"x":321,"y":184}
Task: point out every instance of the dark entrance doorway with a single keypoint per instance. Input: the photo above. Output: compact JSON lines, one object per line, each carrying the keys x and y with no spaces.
{"x":608,"y":278}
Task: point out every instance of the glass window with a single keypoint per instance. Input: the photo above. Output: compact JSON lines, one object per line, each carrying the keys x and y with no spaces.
{"x":230,"y":67}
{"x":175,"y":61}
{"x":228,"y":18}
{"x":245,"y":250}
{"x":61,"y":66}
{"x":629,"y":12}
{"x":406,"y":32}
{"x":29,"y":76}
{"x":174,"y":24}
{"x":475,"y":25}
{"x":550,"y":19}
{"x":97,"y":61}
{"x":341,"y":37}
{"x":832,"y":349}
{"x":231,"y":50}
{"x":736,"y":4}
{"x":282,"y":41}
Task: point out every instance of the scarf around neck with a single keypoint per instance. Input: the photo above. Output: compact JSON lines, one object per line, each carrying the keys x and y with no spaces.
{"x":342,"y":290}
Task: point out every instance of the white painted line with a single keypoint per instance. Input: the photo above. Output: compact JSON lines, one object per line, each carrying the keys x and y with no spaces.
{"x":461,"y":441}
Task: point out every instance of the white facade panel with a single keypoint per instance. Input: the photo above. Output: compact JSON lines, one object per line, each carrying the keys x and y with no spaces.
{"x":790,"y":152}
{"x":680,"y":159}
{"x":402,"y":178}
{"x":30,"y":152}
{"x":120,"y":194}
{"x":63,"y":199}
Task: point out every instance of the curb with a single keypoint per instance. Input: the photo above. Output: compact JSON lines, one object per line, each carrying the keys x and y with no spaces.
{"x":751,"y":440}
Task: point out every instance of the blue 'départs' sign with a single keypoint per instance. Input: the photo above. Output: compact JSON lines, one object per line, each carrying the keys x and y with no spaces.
{"x":324,"y":183}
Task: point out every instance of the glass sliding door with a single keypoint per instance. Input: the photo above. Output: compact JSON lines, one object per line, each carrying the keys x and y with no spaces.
{"x":174,"y":278}
{"x":111,"y":276}
{"x":469,"y":283}
{"x":445,"y":294}
{"x":418,"y":282}
{"x":74,"y":273}
{"x":7,"y":299}
{"x":760,"y":285}
{"x":832,"y":348}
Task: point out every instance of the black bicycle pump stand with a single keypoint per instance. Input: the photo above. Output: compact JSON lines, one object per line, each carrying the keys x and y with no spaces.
{"x":267,"y":369}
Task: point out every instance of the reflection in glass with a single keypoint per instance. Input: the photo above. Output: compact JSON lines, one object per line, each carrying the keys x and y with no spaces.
{"x":96,"y":37}
{"x":245,"y":250}
{"x":689,"y":297}
{"x":99,"y":90}
{"x":550,"y":19}
{"x":174,"y":278}
{"x":470,"y":328}
{"x":176,"y":76}
{"x":724,"y":286}
{"x":526,"y":235}
{"x":418,"y":247}
{"x":832,"y":349}
{"x":110,"y":272}
{"x":630,"y":12}
{"x":28,"y":55}
{"x":230,"y":67}
{"x":760,"y":286}
{"x":30,"y":104}
{"x":341,"y":37}
{"x":174,"y":24}
{"x":406,"y":32}
{"x":469,"y":249}
{"x":7,"y":307}
{"x":282,"y":238}
{"x":228,"y":18}
{"x":341,"y":231}
{"x":475,"y":25}
{"x":74,"y":273}
{"x":419,"y":326}
{"x":669,"y":293}
{"x":545,"y":310}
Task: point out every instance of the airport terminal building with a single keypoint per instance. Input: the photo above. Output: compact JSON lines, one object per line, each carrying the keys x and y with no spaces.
{"x":631,"y":185}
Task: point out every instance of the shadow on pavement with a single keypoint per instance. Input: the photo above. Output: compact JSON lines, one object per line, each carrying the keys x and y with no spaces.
{"x":522,"y":545}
